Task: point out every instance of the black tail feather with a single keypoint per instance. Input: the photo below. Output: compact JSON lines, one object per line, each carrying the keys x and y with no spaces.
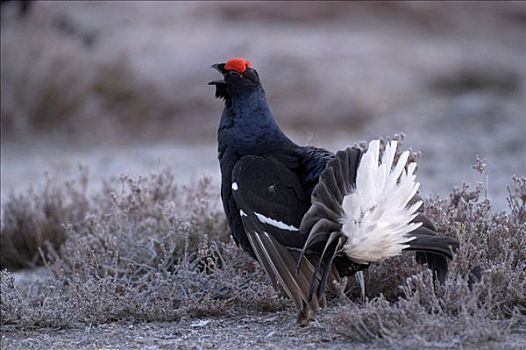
{"x":324,"y":265}
{"x":433,"y":250}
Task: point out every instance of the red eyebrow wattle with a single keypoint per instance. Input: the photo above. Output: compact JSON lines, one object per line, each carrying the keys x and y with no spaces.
{"x":238,"y":64}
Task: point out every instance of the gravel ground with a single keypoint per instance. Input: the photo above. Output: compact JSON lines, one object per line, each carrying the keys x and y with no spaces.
{"x":265,"y":331}
{"x":277,"y":330}
{"x":256,"y":332}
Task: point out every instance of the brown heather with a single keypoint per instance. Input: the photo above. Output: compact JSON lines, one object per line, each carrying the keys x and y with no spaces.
{"x":148,"y":250}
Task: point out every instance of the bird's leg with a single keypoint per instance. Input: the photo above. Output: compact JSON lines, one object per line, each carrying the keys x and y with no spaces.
{"x":306,"y":314}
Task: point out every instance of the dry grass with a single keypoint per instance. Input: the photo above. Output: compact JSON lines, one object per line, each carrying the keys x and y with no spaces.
{"x":41,"y":85}
{"x":143,"y":249}
{"x":465,"y":310}
{"x":54,"y":84}
{"x":148,"y":250}
{"x":35,"y":218}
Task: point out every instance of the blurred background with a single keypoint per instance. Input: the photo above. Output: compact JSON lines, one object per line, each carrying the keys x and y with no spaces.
{"x":121,"y":87}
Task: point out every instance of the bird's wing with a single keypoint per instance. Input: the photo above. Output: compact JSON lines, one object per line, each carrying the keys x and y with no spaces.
{"x":274,"y":196}
{"x":271,"y":204}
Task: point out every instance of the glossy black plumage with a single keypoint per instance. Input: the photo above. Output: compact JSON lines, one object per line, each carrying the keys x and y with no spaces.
{"x":268,"y":185}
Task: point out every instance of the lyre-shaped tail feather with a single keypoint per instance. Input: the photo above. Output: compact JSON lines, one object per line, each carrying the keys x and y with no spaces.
{"x":364,"y":209}
{"x":322,"y":224}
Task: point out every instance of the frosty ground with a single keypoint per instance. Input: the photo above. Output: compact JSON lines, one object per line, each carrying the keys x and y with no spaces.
{"x":268,"y":331}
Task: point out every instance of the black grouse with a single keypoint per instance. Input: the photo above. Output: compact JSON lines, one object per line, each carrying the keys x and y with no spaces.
{"x":309,"y":216}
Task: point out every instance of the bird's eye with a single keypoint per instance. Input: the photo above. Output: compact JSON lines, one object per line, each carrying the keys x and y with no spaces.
{"x":233,"y":73}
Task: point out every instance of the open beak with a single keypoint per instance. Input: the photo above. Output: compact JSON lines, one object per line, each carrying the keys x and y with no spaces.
{"x":216,"y":82}
{"x":220,"y":67}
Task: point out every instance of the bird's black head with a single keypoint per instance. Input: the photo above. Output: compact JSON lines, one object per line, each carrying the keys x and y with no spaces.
{"x":238,"y":78}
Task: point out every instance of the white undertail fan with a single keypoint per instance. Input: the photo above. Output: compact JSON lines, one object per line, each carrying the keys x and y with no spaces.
{"x":377,"y":220}
{"x":364,"y":210}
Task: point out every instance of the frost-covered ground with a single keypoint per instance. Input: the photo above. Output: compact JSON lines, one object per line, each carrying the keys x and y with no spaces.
{"x":27,"y":165}
{"x":276,"y":331}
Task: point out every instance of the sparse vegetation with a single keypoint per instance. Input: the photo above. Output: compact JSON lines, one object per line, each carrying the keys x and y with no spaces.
{"x":142,"y":250}
{"x":465,"y":310}
{"x":37,"y":218}
{"x":148,"y":250}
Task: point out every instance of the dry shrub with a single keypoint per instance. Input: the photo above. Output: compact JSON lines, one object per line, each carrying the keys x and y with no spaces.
{"x":155,"y":206}
{"x":53,"y":83}
{"x":44,"y":78}
{"x":464,"y":310}
{"x":145,"y":249}
{"x":32,"y":219}
{"x":108,"y":287}
{"x":148,"y":250}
